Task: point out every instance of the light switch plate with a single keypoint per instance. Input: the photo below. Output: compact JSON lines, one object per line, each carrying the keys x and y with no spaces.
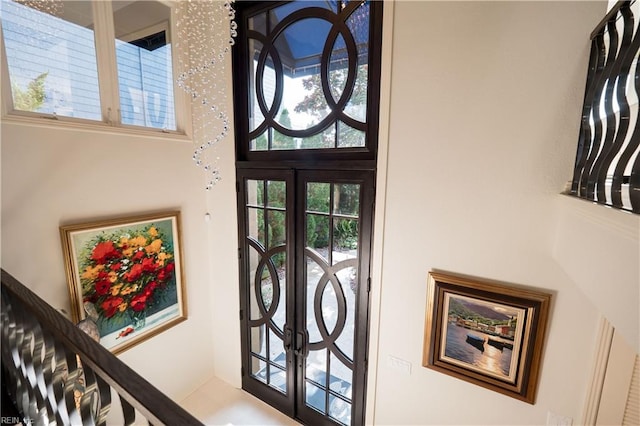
{"x":399,"y":364}
{"x":554,"y":419}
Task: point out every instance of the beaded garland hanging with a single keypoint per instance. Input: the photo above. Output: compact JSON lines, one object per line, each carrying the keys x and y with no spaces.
{"x":206,"y":31}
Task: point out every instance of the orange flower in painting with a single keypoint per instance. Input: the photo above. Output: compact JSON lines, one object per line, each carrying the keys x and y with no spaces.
{"x":139,"y":241}
{"x":162,"y":257}
{"x":153,"y":232}
{"x":116,"y":289}
{"x":154,"y":247}
{"x":129,"y":290}
{"x":91,"y":273}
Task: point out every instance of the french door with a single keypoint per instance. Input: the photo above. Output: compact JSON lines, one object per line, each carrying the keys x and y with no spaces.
{"x":305,"y":248}
{"x":306,"y":107}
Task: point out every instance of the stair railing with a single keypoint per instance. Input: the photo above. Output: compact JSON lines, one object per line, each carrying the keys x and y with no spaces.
{"x":607,"y":167}
{"x":56,"y":374}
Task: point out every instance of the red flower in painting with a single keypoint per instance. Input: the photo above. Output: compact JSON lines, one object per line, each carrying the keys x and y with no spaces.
{"x":110,"y":306}
{"x":139,"y":255}
{"x":134,"y":273}
{"x":148,"y":290}
{"x":102,"y":287}
{"x":115,"y":266}
{"x":148,"y":265}
{"x":165,"y":273}
{"x":139,"y":302}
{"x":103,"y":252}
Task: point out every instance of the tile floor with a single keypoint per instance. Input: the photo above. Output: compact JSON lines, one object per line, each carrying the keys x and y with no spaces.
{"x":218,"y":403}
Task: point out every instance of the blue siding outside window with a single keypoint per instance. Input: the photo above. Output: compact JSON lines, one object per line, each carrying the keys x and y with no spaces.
{"x":146,"y":86}
{"x":38,"y":43}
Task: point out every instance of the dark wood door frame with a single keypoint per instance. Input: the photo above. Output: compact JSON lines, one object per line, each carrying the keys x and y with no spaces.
{"x":295,"y":167}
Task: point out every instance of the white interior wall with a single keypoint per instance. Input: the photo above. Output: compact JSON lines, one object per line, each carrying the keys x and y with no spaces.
{"x":485,"y":106}
{"x":599,"y":248}
{"x":53,"y":176}
{"x":223,"y":235}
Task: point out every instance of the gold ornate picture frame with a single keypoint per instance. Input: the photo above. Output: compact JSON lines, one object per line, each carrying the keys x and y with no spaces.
{"x":487,"y":333}
{"x":125,"y":276}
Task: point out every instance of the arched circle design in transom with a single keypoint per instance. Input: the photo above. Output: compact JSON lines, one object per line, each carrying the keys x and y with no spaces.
{"x":332,"y":104}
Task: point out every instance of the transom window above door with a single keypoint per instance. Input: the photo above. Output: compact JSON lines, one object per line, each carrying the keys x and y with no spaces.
{"x":309,"y":78}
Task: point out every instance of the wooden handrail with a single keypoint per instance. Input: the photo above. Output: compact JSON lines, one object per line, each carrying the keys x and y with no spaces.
{"x":155,"y":406}
{"x":611,"y":14}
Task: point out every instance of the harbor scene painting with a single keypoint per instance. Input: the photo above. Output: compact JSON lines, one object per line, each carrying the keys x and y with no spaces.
{"x":486,"y":332}
{"x":482,"y":336}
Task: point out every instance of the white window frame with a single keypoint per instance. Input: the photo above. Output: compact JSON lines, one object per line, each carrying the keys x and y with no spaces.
{"x":104,"y":35}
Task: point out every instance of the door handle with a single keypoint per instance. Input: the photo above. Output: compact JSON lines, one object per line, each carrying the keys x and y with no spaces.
{"x":300,"y":349}
{"x":288,"y":337}
{"x":300,"y":341}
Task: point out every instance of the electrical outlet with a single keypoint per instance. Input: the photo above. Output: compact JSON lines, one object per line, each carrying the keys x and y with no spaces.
{"x":400,"y":365}
{"x":554,"y":419}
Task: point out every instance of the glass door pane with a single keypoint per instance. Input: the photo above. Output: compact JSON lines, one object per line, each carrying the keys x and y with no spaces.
{"x":331,"y":254}
{"x":266,"y":222}
{"x":266,"y":240}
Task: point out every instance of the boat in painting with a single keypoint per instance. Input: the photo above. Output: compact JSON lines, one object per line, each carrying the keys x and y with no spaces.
{"x":476,"y":341}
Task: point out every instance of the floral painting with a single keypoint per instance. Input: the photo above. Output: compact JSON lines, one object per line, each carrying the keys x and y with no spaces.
{"x":125,"y":277}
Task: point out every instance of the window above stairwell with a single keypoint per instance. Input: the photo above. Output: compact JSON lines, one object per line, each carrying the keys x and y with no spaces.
{"x":91,"y":62}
